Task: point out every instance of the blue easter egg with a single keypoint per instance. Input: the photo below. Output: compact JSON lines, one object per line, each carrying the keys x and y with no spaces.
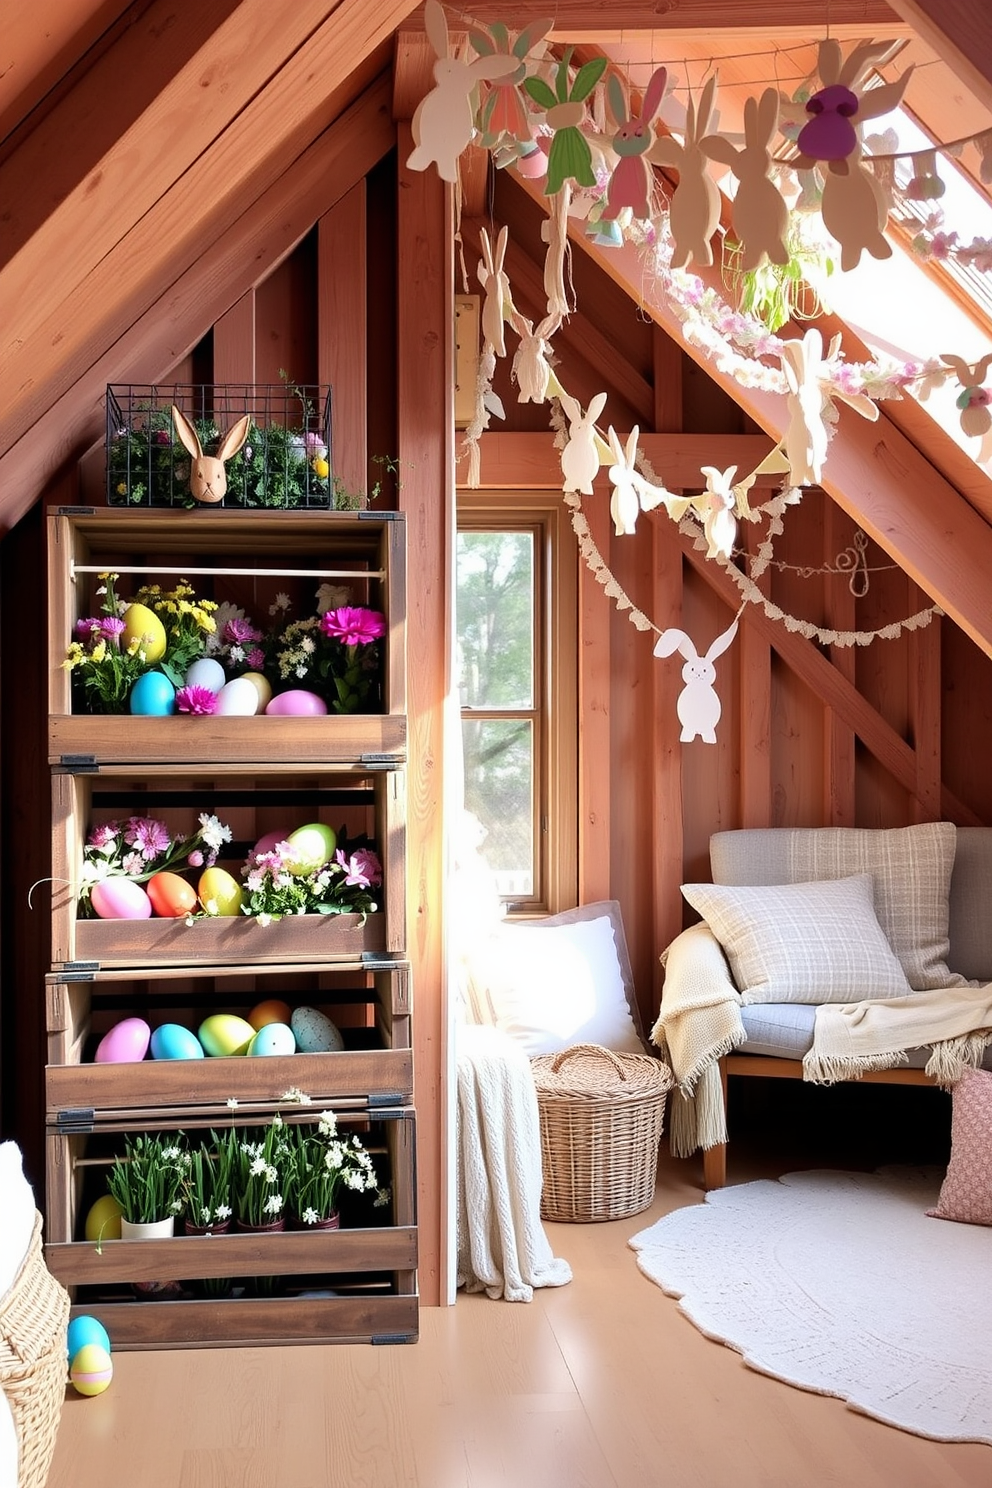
{"x":173,"y":1041}
{"x":273,"y":1038}
{"x":153,"y":695}
{"x":82,"y":1330}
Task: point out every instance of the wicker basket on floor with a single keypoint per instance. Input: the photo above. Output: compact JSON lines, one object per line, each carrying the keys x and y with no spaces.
{"x":601,"y":1117}
{"x":34,"y":1316}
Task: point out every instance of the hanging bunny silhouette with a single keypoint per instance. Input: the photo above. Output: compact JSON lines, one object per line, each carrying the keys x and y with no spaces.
{"x":808,"y":400}
{"x":632,"y":182}
{"x":580,"y":457}
{"x":761,"y":217}
{"x":570,"y":157}
{"x":718,"y":503}
{"x":624,"y":502}
{"x":531,"y":367}
{"x":443,"y":122}
{"x":974,"y":399}
{"x":504,"y":114}
{"x":695,"y":208}
{"x":699,"y":705}
{"x":207,"y":475}
{"x":496,"y":284}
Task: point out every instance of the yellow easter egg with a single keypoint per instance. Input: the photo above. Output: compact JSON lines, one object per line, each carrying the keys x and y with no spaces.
{"x":219,"y":893}
{"x":103,"y":1222}
{"x":225,"y":1033}
{"x":91,"y":1370}
{"x":261,"y":685}
{"x":143,"y":625}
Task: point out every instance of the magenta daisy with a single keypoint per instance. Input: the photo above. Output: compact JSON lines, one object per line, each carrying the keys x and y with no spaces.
{"x":104,"y":835}
{"x":196,"y":700}
{"x":238,"y":632}
{"x":361,"y":868}
{"x":256,"y":658}
{"x":149,"y":837}
{"x":111,"y":629}
{"x":353,"y":625}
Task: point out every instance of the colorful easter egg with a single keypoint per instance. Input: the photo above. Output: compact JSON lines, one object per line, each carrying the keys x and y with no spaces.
{"x":171,"y":896}
{"x":153,"y":695}
{"x":274,"y":1038}
{"x":271,"y":840}
{"x":91,"y":1370}
{"x":271,"y":1011}
{"x":125,"y":1043}
{"x":239,"y":698}
{"x":219,"y":893}
{"x":173,"y":1041}
{"x":225,"y":1033}
{"x":206,"y":672}
{"x":103,"y":1220}
{"x":310,"y":847}
{"x":143,"y":625}
{"x":296,"y":703}
{"x":262,"y":686}
{"x":315,"y":1033}
{"x":119,"y":898}
{"x":85,"y":1329}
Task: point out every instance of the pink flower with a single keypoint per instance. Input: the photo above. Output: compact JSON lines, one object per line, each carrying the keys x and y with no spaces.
{"x":133,"y":863}
{"x":362,"y":869}
{"x":237,"y":632}
{"x":149,"y":837}
{"x":315,"y":446}
{"x":195,"y":859}
{"x":353,"y":625}
{"x":196,"y":700}
{"x":256,"y":658}
{"x":88,"y":627}
{"x":111,"y":629}
{"x":103,"y":836}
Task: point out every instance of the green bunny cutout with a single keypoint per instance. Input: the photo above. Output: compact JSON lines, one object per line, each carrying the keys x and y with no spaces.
{"x":570,"y":157}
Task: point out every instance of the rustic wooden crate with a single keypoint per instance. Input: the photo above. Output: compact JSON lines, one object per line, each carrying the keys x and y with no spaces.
{"x":371,"y":1269}
{"x":371,"y":802}
{"x":368,"y":549}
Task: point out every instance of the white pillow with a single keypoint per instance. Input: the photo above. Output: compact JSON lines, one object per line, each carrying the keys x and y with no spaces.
{"x":802,"y":942}
{"x":550,"y":986}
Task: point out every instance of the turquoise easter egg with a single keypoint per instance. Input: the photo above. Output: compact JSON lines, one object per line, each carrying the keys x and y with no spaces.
{"x":85,"y":1329}
{"x":273,"y":1038}
{"x":153,"y":695}
{"x":173,"y":1041}
{"x":315,"y":1033}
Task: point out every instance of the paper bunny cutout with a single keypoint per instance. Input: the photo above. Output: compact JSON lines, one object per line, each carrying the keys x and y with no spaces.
{"x":761,"y":217}
{"x":853,"y":211}
{"x":570,"y":157}
{"x":504,"y":113}
{"x":494,"y":281}
{"x":443,"y":122}
{"x":808,"y":401}
{"x":624,"y":502}
{"x":580,"y":457}
{"x":207,"y":476}
{"x":718,"y":503}
{"x":632,"y":181}
{"x":974,"y":399}
{"x":531,"y":367}
{"x":695,"y":209}
{"x":841,"y":106}
{"x":698,"y":706}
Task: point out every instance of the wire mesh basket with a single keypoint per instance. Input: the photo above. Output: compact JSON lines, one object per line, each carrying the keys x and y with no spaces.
{"x":285,"y":461}
{"x":601,"y":1118}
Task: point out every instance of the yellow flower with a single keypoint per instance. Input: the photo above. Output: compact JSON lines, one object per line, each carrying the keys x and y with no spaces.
{"x":73,"y":656}
{"x":99,"y":652}
{"x":122,"y":488}
{"x":321,"y":468}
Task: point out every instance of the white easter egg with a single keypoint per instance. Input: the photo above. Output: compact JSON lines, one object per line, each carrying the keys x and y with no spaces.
{"x":315,"y":1033}
{"x":238,"y":698}
{"x":206,"y":672}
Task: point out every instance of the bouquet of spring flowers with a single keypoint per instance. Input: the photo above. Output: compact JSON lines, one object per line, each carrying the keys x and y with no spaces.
{"x":105,"y":665}
{"x":141,"y":846}
{"x":320,"y":1163}
{"x":188,"y":623}
{"x":147,"y":1182}
{"x":260,"y":1163}
{"x":342,"y":885}
{"x":335,"y":652}
{"x":208,"y":1189}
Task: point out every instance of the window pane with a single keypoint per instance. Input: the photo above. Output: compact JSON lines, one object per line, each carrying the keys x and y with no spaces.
{"x":495,"y":619}
{"x":499,"y":788}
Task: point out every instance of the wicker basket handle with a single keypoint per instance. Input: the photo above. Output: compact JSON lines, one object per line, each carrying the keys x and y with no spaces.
{"x":563,"y":1054}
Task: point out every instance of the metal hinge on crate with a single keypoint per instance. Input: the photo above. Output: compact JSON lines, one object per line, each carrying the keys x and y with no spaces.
{"x":78,"y":764}
{"x":376,"y":961}
{"x":381,"y":761}
{"x":379,"y":516}
{"x":394,"y":1338}
{"x":388,"y":1105}
{"x":78,"y":971}
{"x":75,"y":511}
{"x":76,"y":1119}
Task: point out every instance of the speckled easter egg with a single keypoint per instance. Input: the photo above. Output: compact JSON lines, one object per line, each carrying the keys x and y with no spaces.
{"x":91,"y":1370}
{"x":274,"y":1038}
{"x":173,"y":1041}
{"x":153,"y":696}
{"x":315,"y":1033}
{"x":206,"y":672}
{"x":296,"y":703}
{"x":270,"y":1011}
{"x":125,"y":1043}
{"x":225,"y":1033}
{"x":120,"y":899}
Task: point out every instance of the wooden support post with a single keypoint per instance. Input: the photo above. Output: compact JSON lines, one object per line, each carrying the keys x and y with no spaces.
{"x":342,"y":337}
{"x":841,"y":609}
{"x":594,"y":718}
{"x":234,"y":342}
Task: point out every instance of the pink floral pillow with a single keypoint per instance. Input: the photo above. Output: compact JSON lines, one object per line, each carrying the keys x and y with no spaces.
{"x":966,"y":1192}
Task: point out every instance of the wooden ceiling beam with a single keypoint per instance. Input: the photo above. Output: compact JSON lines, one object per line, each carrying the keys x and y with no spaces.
{"x":41,"y":43}
{"x":229,"y":264}
{"x":591,"y":20}
{"x":49,"y":339}
{"x":960,"y":31}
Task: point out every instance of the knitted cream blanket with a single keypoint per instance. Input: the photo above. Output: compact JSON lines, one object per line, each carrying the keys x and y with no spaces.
{"x":851,"y":1039}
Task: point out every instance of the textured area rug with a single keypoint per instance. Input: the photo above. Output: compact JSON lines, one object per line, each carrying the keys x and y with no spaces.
{"x":839,"y":1283}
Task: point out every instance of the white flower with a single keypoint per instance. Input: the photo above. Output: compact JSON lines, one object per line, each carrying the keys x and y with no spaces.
{"x":213,"y":832}
{"x":307,"y":646}
{"x":309,"y":1216}
{"x":170,"y":1154}
{"x":294,"y":1093}
{"x":332,"y":597}
{"x":258,"y":1167}
{"x":264,"y":919}
{"x":281,"y":602}
{"x":271,"y":1173}
{"x":327,"y":1124}
{"x":232,"y":1103}
{"x":205,"y":1214}
{"x":277,"y":1120}
{"x":223,"y":1211}
{"x":176,"y":1207}
{"x":273,"y":1204}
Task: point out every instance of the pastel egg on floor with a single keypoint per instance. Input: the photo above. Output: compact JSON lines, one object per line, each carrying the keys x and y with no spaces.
{"x":262,"y":686}
{"x":239,"y":698}
{"x":173,"y":1041}
{"x":91,"y":1370}
{"x":119,"y":898}
{"x":296,"y":703}
{"x":274,"y":1038}
{"x":85,"y":1329}
{"x":143,"y":625}
{"x":125,"y":1043}
{"x":219,"y":893}
{"x":171,"y":896}
{"x":153,"y":695}
{"x":103,"y":1220}
{"x":206,"y":672}
{"x":271,"y":1011}
{"x":315,"y":1033}
{"x":225,"y":1033}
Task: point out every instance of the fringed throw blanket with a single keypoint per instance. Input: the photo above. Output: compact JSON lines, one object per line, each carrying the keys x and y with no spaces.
{"x":700,"y":1021}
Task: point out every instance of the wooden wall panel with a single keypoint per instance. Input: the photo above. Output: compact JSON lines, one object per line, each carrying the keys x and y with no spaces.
{"x":342,"y":355}
{"x":596,"y":765}
{"x":286,"y":319}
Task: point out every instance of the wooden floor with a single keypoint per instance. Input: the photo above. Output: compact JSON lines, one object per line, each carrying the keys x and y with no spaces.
{"x":599,"y":1384}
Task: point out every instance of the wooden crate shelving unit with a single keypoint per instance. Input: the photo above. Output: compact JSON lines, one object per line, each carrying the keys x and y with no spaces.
{"x":259,"y":775}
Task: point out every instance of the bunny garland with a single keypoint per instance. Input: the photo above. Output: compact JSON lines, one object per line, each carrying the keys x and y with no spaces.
{"x":632,"y":182}
{"x":570,"y":157}
{"x":504,"y":113}
{"x":444,"y":121}
{"x":761,"y":216}
{"x":974,"y":399}
{"x":809,"y":401}
{"x":494,"y":281}
{"x":699,"y":706}
{"x":695,"y":207}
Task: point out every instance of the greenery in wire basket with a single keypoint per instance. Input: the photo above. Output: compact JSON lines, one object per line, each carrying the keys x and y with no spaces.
{"x":147,"y":1182}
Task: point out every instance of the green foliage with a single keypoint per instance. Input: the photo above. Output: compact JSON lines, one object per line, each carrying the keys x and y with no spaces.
{"x":320,"y":1163}
{"x":776,"y":293}
{"x":147,"y":1181}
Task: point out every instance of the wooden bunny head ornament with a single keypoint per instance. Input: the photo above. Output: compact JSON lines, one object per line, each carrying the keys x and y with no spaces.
{"x":207,"y":476}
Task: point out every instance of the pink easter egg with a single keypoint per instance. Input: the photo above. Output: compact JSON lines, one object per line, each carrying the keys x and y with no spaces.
{"x":120,"y":899}
{"x":125,"y":1043}
{"x":296,"y":703}
{"x":271,"y":840}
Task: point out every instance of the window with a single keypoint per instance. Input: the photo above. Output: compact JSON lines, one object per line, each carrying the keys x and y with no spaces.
{"x":515,"y":613}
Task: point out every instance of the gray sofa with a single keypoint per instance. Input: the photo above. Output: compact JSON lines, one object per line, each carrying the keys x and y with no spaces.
{"x":932,"y":888}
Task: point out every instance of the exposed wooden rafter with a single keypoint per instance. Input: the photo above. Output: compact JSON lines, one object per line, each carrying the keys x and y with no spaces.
{"x":961,"y":33}
{"x":591,"y":20}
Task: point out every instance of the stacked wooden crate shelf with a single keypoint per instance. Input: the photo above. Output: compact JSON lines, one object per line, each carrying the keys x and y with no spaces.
{"x":259,"y":774}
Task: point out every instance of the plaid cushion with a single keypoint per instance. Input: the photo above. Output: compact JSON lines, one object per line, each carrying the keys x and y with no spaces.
{"x":806,"y":942}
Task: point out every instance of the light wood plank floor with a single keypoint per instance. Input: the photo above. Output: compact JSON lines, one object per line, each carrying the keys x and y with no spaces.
{"x":599,"y":1384}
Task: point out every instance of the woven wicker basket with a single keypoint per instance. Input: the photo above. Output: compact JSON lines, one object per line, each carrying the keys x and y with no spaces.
{"x":34,"y":1315}
{"x":601,"y":1121}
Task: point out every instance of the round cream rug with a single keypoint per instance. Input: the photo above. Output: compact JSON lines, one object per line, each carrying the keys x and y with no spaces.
{"x":840,"y":1283}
